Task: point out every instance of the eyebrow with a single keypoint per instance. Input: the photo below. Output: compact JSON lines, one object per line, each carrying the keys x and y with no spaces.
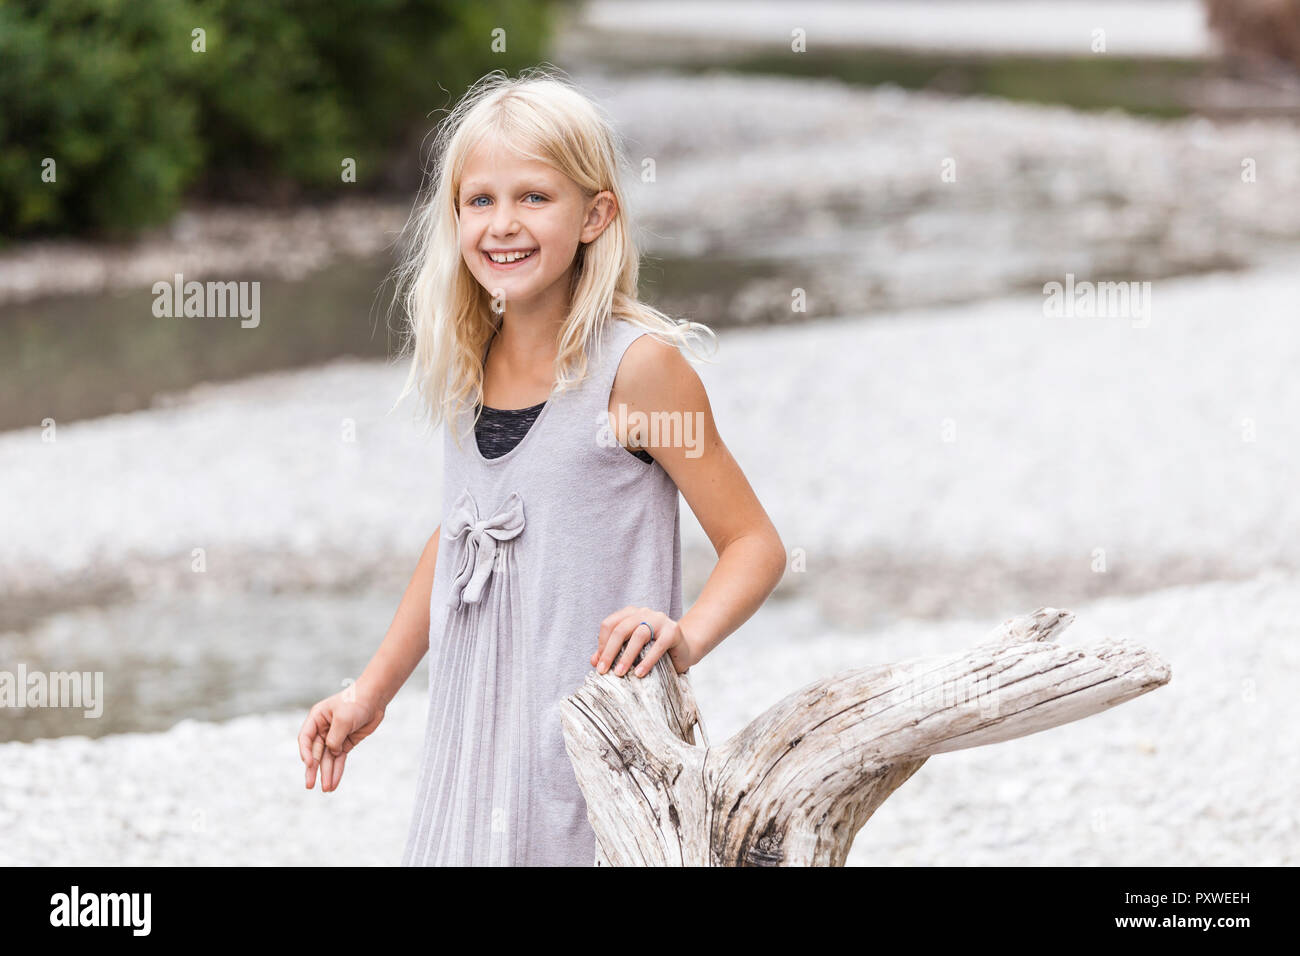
{"x":529,"y":184}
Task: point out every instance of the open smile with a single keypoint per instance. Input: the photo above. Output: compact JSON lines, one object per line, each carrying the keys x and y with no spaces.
{"x":514,"y":263}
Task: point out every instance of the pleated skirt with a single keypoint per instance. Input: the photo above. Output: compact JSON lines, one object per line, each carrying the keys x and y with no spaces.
{"x":472,"y":801}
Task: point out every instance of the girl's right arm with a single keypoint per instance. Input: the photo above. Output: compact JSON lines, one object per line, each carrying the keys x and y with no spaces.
{"x":339,"y":722}
{"x":407,"y":640}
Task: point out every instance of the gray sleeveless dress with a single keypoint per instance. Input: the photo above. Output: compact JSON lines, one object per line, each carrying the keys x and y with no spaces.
{"x":538,"y":546}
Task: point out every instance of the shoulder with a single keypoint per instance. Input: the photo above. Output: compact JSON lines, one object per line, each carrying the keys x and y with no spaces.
{"x":654,"y":374}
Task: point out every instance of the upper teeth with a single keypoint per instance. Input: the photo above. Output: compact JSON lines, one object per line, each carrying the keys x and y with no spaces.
{"x":510,"y":256}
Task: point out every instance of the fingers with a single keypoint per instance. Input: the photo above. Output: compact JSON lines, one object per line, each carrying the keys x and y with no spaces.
{"x":338,"y":770}
{"x":310,"y":742}
{"x":335,"y":774}
{"x":626,"y":627}
{"x":335,"y":748}
{"x":338,"y":734}
{"x":332,"y":769}
{"x":616,"y":635}
{"x":317,"y":723}
{"x":326,"y":738}
{"x":305,"y":736}
{"x":638,"y":637}
{"x":606,"y":628}
{"x":326,"y":772}
{"x":313,"y":764}
{"x":623,"y":630}
{"x":667,"y":636}
{"x":308,"y":759}
{"x":329,"y":764}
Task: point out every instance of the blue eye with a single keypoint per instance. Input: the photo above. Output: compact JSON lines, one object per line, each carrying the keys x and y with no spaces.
{"x":475,"y":200}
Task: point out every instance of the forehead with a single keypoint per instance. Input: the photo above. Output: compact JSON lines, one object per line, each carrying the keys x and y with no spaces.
{"x":492,"y":163}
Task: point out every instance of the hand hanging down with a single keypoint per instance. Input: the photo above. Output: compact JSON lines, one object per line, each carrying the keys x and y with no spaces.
{"x":333,"y":727}
{"x":633,"y":626}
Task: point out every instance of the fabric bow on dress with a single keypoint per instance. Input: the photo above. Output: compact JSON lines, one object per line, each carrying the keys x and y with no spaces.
{"x":481,"y":536}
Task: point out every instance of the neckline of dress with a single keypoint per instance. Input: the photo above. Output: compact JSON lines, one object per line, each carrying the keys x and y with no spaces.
{"x":537,"y":423}
{"x":515,"y":411}
{"x":528,"y":435}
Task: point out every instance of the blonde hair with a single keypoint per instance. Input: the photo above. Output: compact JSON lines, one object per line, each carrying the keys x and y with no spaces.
{"x":448,"y":315}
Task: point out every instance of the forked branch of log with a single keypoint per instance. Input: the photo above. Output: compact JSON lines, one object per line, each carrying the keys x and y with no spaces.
{"x":795,"y":786}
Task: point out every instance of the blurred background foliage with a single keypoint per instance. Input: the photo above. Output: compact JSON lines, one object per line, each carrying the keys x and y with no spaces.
{"x":136,"y":120}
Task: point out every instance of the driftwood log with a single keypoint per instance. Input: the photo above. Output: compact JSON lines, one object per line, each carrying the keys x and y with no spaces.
{"x":795,"y":786}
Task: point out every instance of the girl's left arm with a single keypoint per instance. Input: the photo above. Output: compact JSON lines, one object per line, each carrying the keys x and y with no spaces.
{"x":654,"y":377}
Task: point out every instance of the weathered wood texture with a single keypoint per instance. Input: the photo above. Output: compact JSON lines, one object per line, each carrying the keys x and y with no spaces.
{"x":794,"y":787}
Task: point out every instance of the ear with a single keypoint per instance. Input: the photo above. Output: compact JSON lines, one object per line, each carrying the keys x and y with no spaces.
{"x":602,"y":209}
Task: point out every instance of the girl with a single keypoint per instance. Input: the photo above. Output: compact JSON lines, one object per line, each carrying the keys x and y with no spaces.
{"x":560,"y":525}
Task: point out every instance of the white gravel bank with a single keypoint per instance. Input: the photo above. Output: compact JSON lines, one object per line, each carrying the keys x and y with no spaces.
{"x":1199,"y":772}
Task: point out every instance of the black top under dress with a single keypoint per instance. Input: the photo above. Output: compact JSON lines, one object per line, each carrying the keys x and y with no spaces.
{"x":500,"y":429}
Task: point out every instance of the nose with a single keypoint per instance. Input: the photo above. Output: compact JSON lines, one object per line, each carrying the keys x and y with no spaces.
{"x":504,"y":220}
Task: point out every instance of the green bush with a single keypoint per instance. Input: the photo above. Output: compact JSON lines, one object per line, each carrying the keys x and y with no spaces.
{"x":135,"y":119}
{"x":91,"y":85}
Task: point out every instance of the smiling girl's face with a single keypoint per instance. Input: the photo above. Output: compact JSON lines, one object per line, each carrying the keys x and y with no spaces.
{"x":520,"y":225}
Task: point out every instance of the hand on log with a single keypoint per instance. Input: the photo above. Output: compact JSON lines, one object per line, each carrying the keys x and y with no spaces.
{"x":794,"y":787}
